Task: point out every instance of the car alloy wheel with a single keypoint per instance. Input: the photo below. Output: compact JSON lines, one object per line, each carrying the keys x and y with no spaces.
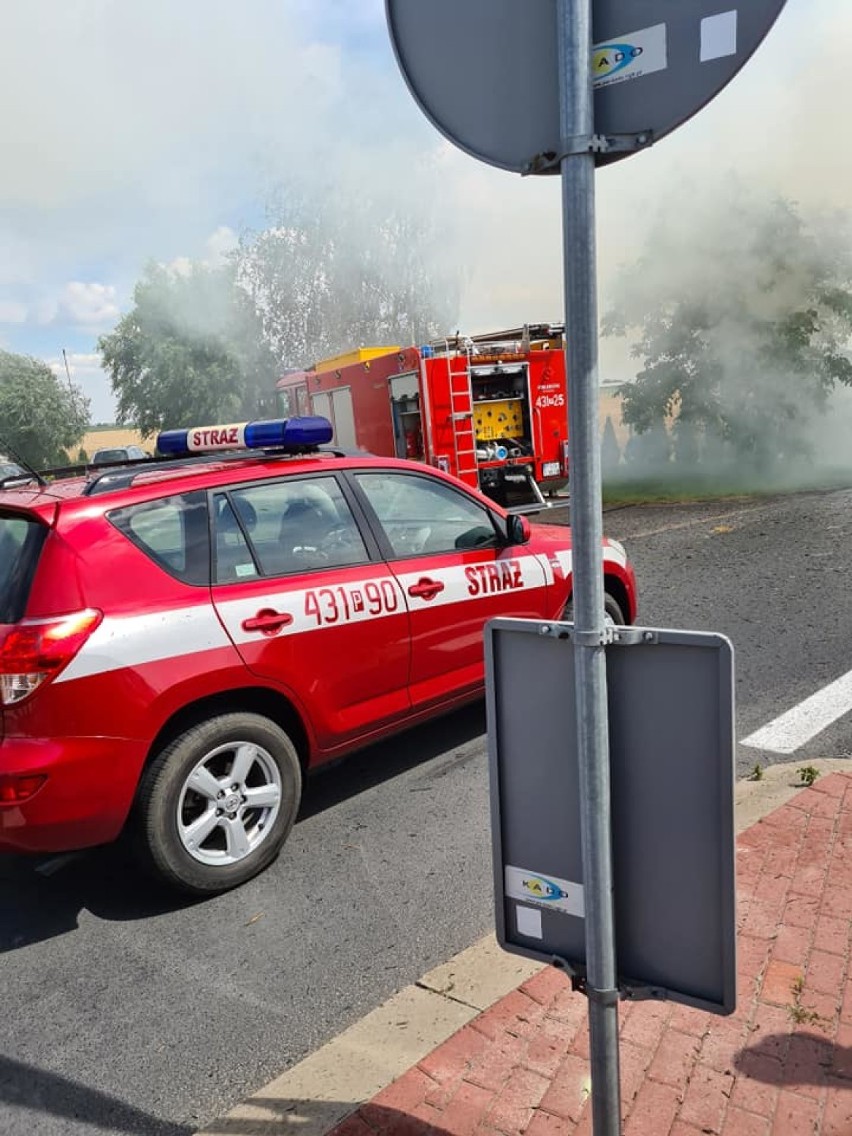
{"x":229,"y":803}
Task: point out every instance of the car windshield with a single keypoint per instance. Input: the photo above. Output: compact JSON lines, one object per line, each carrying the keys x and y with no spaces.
{"x":21,"y":539}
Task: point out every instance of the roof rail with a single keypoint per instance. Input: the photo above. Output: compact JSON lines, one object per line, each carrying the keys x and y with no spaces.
{"x":113,"y":479}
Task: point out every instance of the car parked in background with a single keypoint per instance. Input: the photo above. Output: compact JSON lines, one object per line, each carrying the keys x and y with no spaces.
{"x":182,"y":641}
{"x":11,"y":470}
{"x":118,"y":454}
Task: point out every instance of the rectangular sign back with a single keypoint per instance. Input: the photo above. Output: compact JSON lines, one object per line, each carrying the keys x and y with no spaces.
{"x":671,"y":730}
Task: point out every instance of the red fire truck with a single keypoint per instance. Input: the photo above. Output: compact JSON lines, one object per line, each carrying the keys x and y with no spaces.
{"x":491,"y":409}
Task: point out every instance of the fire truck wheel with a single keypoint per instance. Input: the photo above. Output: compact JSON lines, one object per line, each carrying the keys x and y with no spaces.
{"x":215,"y":806}
{"x":612,"y":611}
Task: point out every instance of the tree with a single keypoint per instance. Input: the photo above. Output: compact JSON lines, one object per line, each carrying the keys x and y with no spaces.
{"x":338,"y":271}
{"x":334,"y":272}
{"x":741,"y":314}
{"x":40,"y":418}
{"x":610,"y":450}
{"x":190,"y":350}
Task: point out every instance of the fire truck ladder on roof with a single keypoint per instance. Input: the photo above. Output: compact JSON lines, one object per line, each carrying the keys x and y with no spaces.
{"x":461,"y":419}
{"x":511,"y":339}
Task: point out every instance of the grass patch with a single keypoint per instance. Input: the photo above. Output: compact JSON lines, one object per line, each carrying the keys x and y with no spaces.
{"x":667,"y":493}
{"x":687,"y":488}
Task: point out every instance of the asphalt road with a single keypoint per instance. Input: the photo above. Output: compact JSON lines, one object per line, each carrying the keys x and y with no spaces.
{"x":124,"y":1014}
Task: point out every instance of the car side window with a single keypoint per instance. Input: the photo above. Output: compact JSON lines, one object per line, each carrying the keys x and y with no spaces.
{"x":424,"y":515}
{"x":234,"y":557}
{"x":173,"y":532}
{"x":293,"y":525}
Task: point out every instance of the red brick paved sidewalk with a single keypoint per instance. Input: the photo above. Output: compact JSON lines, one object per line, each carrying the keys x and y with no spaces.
{"x":780,"y":1066}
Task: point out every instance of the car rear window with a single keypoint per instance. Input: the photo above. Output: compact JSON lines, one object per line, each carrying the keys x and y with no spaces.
{"x":173,"y":532}
{"x":104,"y":457}
{"x":21,"y":540}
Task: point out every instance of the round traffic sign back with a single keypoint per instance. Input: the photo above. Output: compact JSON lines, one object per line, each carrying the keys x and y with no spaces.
{"x":485,"y":72}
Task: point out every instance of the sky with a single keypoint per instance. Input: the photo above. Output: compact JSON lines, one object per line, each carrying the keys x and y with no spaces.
{"x":138,"y":130}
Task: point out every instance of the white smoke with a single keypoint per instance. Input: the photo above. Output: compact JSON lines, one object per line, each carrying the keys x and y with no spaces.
{"x":135,"y":130}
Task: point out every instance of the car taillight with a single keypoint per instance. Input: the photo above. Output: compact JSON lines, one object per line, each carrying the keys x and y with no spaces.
{"x":37,"y":649}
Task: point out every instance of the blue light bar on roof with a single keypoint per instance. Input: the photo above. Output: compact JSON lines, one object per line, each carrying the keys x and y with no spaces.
{"x":292,"y":434}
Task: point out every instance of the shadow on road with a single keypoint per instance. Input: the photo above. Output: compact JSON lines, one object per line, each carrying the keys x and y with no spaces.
{"x":37,"y":1091}
{"x":40,"y":899}
{"x":388,"y":759}
{"x":329,"y":1116}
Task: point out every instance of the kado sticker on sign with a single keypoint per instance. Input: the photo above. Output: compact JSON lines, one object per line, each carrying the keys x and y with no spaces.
{"x":629,"y":56}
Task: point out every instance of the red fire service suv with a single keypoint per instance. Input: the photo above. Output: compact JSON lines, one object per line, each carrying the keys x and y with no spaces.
{"x":182,"y":639}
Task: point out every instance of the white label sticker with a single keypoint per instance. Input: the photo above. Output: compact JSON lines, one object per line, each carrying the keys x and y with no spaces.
{"x":718,"y":36}
{"x":545,"y":891}
{"x":629,"y":56}
{"x":529,"y":922}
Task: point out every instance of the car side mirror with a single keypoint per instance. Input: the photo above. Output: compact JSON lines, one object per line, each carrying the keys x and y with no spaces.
{"x":518,"y":529}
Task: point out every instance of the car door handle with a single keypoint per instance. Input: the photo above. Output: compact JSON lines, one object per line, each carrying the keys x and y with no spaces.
{"x":268,"y":621}
{"x":425,"y":588}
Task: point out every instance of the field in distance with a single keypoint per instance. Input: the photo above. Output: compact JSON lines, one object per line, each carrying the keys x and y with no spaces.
{"x":109,"y":438}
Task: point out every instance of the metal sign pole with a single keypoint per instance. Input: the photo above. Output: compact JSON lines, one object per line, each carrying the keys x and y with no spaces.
{"x":574,"y":37}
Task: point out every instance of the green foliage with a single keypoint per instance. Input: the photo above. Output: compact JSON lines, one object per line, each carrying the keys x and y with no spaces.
{"x":799,"y":1014}
{"x":756,"y":773}
{"x":335,"y":272}
{"x":40,"y":417}
{"x":807,"y":775}
{"x":741,"y":315}
{"x":190,"y":350}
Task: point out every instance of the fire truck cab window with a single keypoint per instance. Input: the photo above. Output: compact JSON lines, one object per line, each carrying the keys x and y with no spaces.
{"x":421,"y":515}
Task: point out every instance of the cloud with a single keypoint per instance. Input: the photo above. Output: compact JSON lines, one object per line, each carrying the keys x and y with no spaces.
{"x":88,"y":305}
{"x":153,"y":125}
{"x":79,"y":362}
{"x":78,"y":305}
{"x":12,"y":312}
{"x":87,"y":374}
{"x":218,"y":245}
{"x":150,"y":101}
{"x":214,"y":252}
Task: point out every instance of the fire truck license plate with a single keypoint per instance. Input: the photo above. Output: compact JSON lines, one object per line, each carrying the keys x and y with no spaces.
{"x":550,"y":469}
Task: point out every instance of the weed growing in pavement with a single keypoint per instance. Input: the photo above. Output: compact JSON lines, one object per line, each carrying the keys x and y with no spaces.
{"x":807,"y":775}
{"x":756,"y":773}
{"x":799,"y":1014}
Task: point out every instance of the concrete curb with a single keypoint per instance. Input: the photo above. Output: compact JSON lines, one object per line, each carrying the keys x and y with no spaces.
{"x":320,"y":1091}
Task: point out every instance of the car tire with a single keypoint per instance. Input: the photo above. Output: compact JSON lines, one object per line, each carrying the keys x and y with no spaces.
{"x":612,"y":611}
{"x":216,"y":804}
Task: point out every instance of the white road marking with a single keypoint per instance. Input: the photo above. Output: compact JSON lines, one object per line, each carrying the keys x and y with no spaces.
{"x":786,"y":733}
